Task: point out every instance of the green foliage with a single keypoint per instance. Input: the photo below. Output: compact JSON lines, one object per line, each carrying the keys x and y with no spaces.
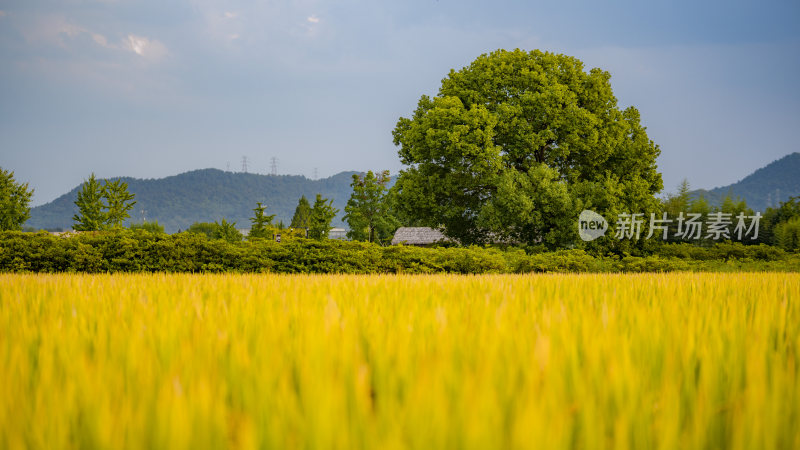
{"x":787,"y":234}
{"x":302,"y":214}
{"x":367,"y":212}
{"x":14,"y":200}
{"x":118,"y":202}
{"x":152,"y":227}
{"x":262,"y":223}
{"x":774,"y":218}
{"x":207,"y":229}
{"x":675,"y":205}
{"x":533,"y":207}
{"x":90,"y":216}
{"x":320,"y":217}
{"x":515,"y":145}
{"x":139,"y":250}
{"x":93,"y":214}
{"x":226,"y":231}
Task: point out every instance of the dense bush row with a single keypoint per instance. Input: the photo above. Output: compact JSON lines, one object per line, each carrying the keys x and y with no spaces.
{"x":142,"y":251}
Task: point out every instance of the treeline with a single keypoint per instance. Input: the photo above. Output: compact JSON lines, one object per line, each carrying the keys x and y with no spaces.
{"x":779,"y":226}
{"x":142,"y":251}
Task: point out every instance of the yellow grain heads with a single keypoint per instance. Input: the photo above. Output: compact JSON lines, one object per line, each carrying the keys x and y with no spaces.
{"x":275,"y":361}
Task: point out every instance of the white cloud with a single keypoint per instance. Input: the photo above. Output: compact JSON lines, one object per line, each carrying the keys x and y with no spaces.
{"x":230,"y":15}
{"x":313,"y":19}
{"x":100,"y":40}
{"x":147,"y":48}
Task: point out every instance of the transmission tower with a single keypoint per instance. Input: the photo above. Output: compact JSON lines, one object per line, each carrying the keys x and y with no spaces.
{"x":244,"y":164}
{"x":273,"y":164}
{"x":316,"y":173}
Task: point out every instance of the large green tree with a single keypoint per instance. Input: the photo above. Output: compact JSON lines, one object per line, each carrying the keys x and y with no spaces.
{"x":14,"y":200}
{"x":367,"y":211}
{"x":320,"y":217}
{"x":516,"y":144}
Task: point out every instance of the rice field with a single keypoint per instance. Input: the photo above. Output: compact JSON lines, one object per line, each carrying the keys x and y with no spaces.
{"x":503,"y":361}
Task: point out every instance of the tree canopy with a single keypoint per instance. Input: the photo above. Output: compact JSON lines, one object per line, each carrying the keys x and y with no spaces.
{"x":367,"y":211}
{"x":320,"y":217}
{"x":226,"y":231}
{"x":301,"y":214}
{"x":95,"y":215}
{"x":119,"y":202}
{"x":14,"y":200}
{"x":261,"y":222}
{"x":516,"y":144}
{"x":90,"y":216}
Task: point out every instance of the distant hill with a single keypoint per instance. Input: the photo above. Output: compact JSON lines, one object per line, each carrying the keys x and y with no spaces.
{"x":207,"y":195}
{"x":767,"y":186}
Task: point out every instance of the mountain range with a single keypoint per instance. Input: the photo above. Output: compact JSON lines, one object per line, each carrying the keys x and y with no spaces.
{"x":766,"y":187}
{"x":207,"y":195}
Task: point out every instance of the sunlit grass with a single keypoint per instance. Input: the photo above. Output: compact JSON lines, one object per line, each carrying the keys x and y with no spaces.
{"x":269,"y":361}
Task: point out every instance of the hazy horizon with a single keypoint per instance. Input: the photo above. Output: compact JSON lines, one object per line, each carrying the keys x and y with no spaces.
{"x":148,"y":90}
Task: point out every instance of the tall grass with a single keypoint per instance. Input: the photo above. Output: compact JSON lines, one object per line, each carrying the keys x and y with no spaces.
{"x":550,"y":361}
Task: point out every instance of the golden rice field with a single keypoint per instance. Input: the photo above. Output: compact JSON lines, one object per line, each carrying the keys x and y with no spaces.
{"x":276,"y":361}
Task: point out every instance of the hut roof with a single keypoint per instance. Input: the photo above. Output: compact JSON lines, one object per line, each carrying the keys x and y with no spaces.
{"x":418,"y":236}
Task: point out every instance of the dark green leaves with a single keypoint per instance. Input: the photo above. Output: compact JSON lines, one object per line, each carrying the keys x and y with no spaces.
{"x":14,"y":200}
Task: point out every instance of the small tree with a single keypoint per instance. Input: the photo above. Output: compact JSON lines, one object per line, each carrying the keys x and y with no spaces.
{"x":676,"y":204}
{"x":367,"y":212}
{"x":91,"y":216}
{"x":227,"y":231}
{"x":301,"y":214}
{"x":118,"y":202}
{"x":320,"y":218}
{"x":261,"y":222}
{"x":14,"y":200}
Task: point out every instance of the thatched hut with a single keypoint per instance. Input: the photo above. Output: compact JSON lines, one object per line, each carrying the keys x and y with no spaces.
{"x":418,"y":236}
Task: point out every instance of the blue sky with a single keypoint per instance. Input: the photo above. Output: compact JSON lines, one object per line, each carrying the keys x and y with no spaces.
{"x":152,"y":88}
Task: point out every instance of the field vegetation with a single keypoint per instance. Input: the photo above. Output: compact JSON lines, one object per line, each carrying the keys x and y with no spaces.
{"x":689,"y":360}
{"x":143,"y":251}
